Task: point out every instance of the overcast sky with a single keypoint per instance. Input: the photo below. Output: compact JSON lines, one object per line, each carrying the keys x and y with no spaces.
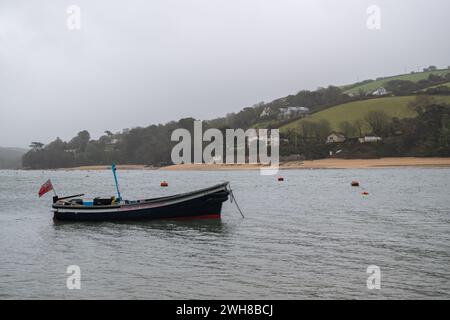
{"x":136,"y":62}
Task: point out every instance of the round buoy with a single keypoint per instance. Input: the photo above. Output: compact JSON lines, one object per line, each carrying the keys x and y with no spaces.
{"x":280,"y":179}
{"x":365,"y":193}
{"x":355,"y":184}
{"x":164,"y":184}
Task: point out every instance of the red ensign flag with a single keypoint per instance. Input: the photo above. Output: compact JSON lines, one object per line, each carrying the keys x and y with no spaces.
{"x":46,"y":187}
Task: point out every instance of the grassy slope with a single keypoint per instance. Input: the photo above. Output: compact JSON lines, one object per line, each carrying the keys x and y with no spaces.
{"x":393,"y":106}
{"x":411,"y":77}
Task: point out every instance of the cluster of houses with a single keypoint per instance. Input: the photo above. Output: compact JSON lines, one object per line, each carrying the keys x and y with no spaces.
{"x":292,"y":112}
{"x":336,"y":137}
{"x":381,"y":91}
{"x":286,"y":112}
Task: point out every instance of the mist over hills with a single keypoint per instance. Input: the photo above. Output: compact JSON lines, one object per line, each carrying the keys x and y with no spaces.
{"x":11,"y":158}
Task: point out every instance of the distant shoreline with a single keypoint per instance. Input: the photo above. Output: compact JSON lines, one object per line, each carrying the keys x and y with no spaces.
{"x":435,"y":162}
{"x":325,"y":164}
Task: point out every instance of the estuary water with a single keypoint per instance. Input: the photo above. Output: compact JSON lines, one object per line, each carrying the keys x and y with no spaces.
{"x":312,"y":236}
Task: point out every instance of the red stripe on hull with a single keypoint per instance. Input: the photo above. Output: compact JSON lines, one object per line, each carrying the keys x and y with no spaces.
{"x":208,"y":216}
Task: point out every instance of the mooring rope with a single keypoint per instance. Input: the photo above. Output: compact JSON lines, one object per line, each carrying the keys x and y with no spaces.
{"x":235,"y":202}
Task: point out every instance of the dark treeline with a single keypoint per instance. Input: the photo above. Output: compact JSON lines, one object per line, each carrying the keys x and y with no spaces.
{"x":426,"y":135}
{"x":314,"y":100}
{"x":405,"y":87}
{"x":152,"y":145}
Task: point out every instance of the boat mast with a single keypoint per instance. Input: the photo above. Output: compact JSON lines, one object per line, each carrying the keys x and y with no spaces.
{"x":113,"y":168}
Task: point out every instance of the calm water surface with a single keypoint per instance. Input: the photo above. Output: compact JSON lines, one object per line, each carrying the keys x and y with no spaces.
{"x":311,"y":236}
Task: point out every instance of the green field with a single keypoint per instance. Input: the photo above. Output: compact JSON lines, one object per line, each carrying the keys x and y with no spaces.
{"x":414,"y":77}
{"x":353,"y":111}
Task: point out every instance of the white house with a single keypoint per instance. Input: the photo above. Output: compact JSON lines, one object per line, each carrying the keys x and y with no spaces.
{"x":381,"y":91}
{"x":335,"y":138}
{"x":266,"y":112}
{"x":369,"y":139}
{"x":263,"y":139}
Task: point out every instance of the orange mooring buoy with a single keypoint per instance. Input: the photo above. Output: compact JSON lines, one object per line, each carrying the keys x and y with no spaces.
{"x":355,"y":184}
{"x":164,"y":184}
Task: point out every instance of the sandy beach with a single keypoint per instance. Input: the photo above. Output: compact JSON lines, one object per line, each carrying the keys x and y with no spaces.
{"x":308,"y":164}
{"x":107,"y":167}
{"x":326,"y":164}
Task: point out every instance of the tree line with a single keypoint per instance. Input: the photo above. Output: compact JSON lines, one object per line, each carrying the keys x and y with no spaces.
{"x":428,"y":134}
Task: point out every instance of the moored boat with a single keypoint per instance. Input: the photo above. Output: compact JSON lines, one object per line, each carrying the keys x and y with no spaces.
{"x":201,"y":204}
